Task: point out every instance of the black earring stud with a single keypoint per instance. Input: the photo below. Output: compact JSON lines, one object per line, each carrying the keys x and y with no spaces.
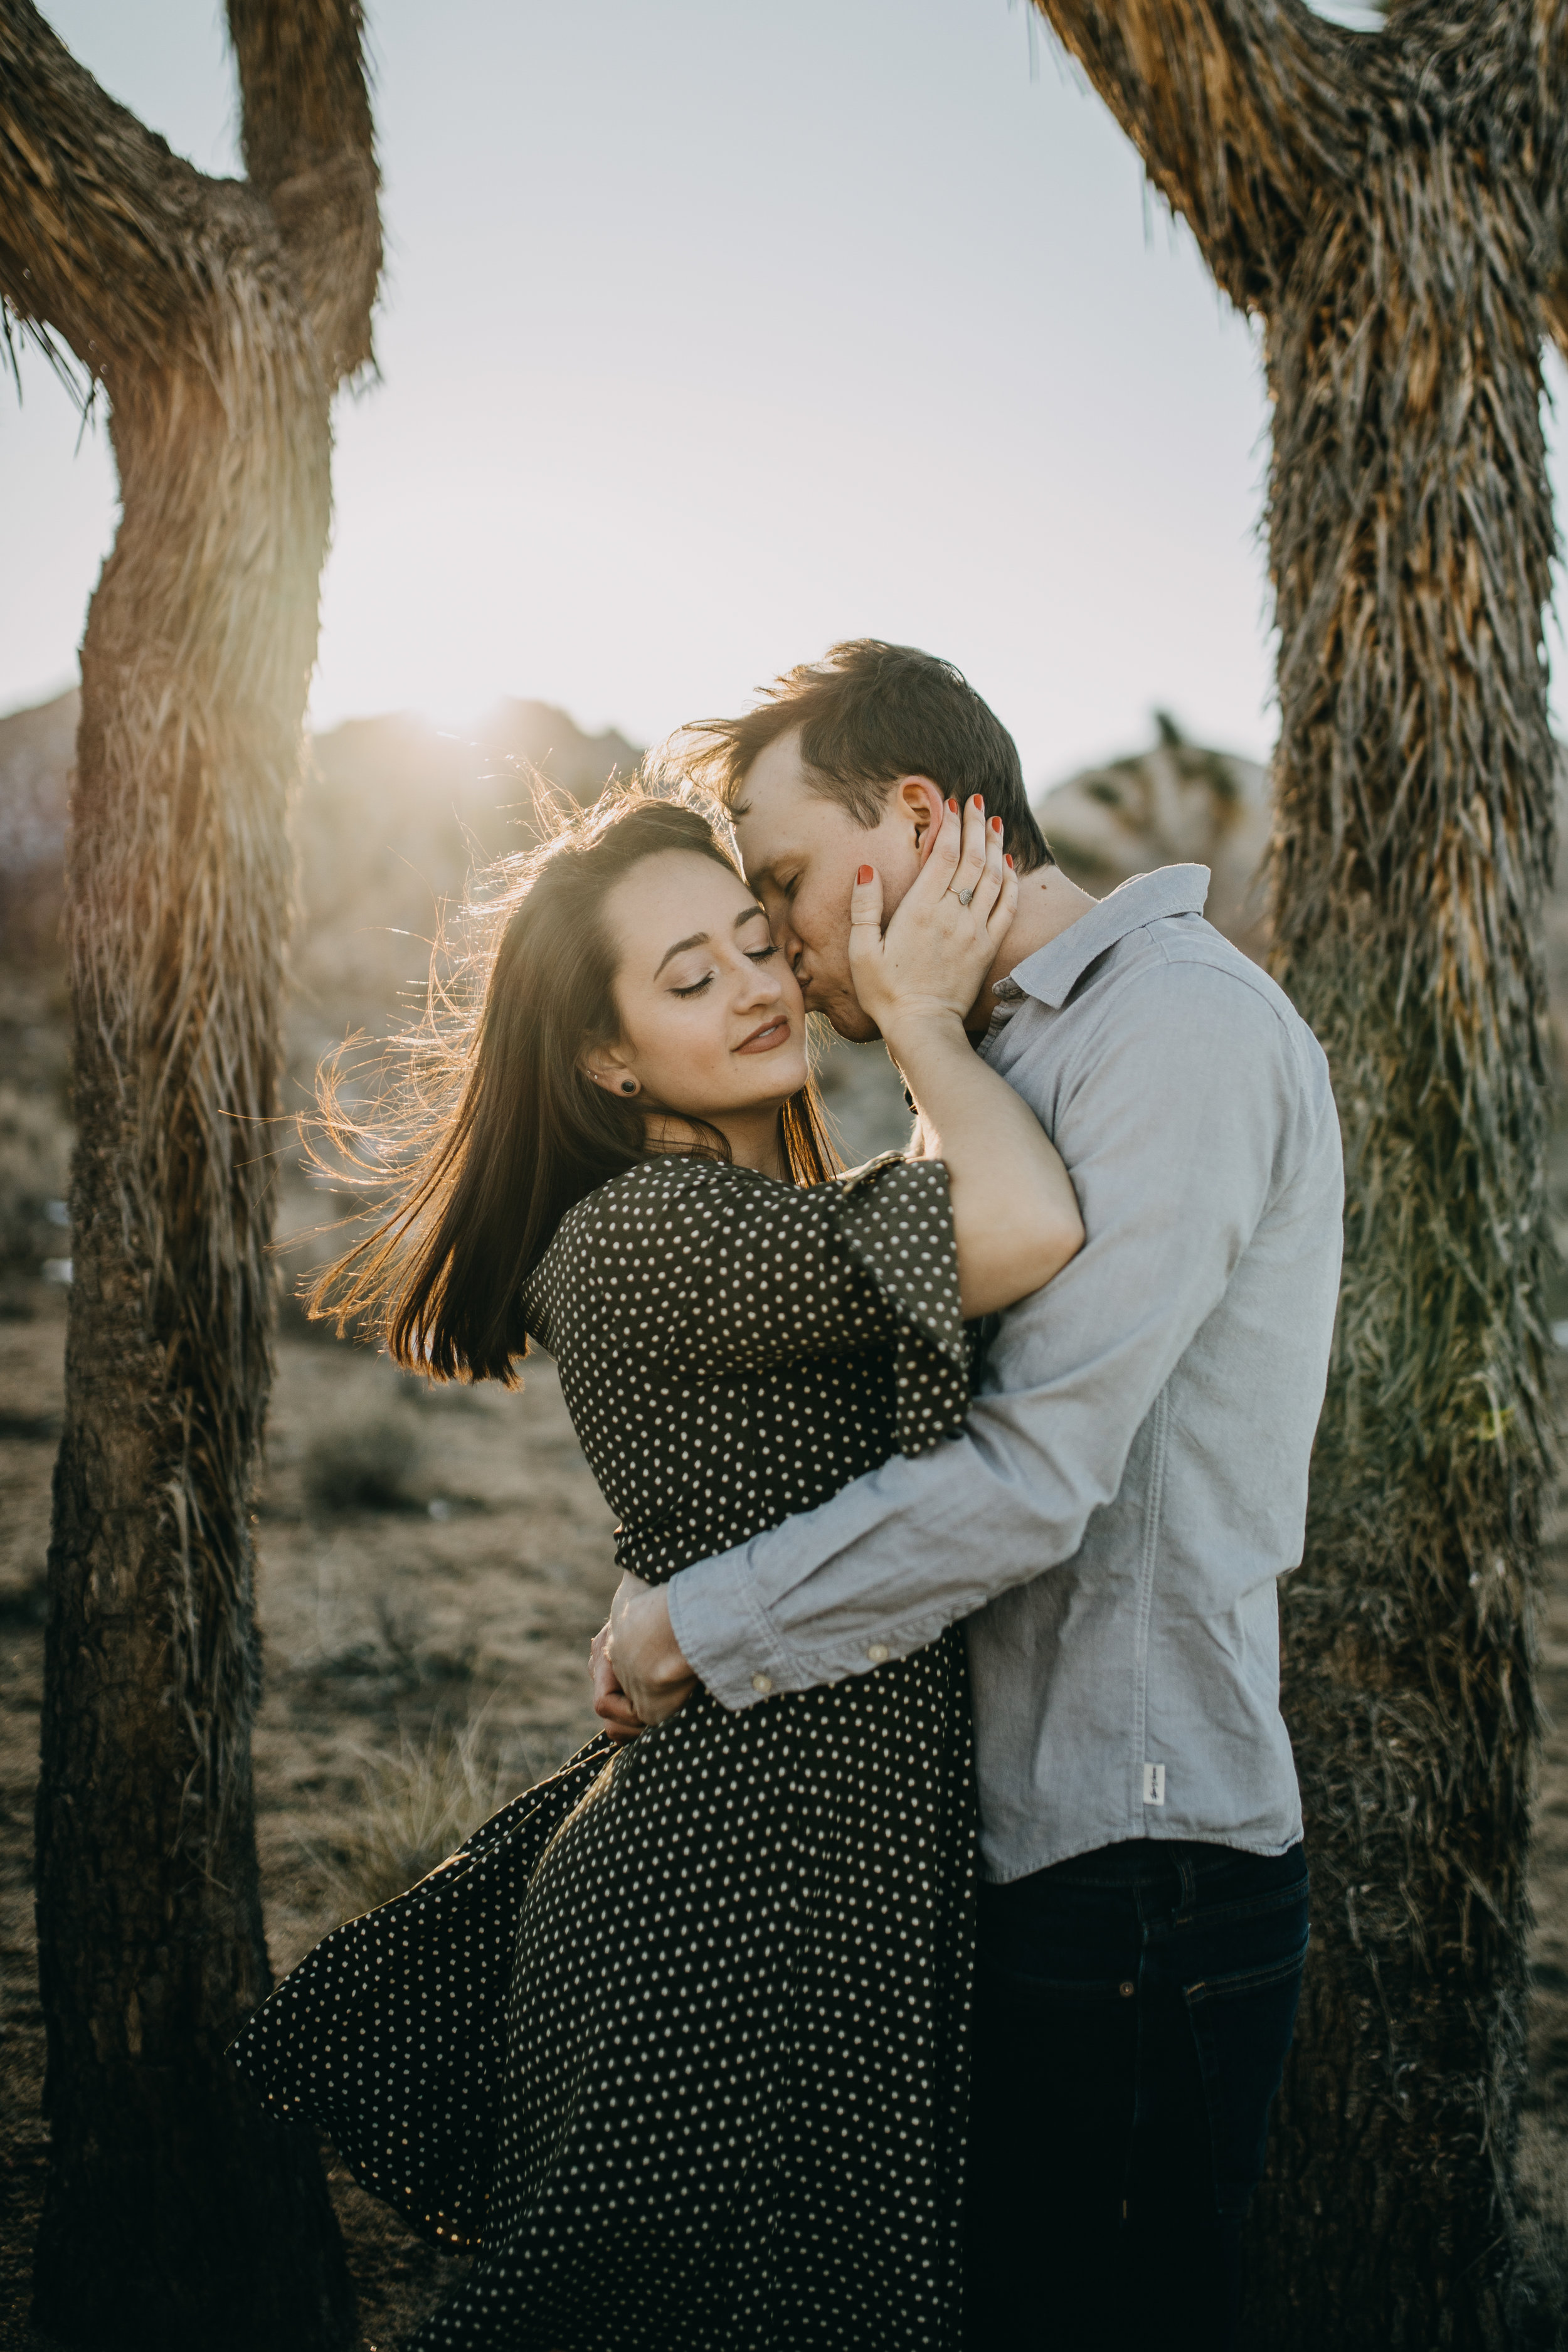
{"x":629,"y":1085}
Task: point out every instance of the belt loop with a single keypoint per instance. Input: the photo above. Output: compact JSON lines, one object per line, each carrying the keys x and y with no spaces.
{"x":1189,"y":1878}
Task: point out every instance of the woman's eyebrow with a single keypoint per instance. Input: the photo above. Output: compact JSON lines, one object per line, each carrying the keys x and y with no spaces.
{"x":700,"y":939}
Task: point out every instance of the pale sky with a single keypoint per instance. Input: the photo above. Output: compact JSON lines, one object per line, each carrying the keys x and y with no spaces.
{"x":712,"y":331}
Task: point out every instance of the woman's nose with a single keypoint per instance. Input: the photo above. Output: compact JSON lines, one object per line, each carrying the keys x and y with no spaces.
{"x":762,"y":983}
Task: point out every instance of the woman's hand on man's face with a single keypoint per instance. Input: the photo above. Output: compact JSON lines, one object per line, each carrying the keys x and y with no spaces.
{"x":931,"y":961}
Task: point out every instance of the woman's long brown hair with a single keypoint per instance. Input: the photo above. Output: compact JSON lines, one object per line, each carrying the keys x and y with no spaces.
{"x":497,"y":1132}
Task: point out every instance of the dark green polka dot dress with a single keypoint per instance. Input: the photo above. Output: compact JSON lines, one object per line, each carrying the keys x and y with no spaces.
{"x":679,"y":2039}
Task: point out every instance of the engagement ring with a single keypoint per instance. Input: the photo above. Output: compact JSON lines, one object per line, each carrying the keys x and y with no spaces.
{"x":964,"y":897}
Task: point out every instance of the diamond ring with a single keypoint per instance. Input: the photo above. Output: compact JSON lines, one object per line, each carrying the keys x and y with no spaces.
{"x":964,"y":897}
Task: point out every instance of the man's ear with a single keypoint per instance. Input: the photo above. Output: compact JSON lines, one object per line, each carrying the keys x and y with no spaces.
{"x":925,"y":805}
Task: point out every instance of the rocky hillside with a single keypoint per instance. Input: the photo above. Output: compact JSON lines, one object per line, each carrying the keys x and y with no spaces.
{"x":391,"y":813}
{"x":1174,"y":805}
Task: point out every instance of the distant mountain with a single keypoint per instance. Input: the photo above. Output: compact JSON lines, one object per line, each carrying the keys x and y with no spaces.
{"x":392,"y":814}
{"x":393,"y":818}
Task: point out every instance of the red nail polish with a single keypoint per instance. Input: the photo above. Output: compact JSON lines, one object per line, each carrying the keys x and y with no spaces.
{"x":953,"y":806}
{"x":996,"y":825}
{"x":1008,"y":854}
{"x":979,"y":804}
{"x":865,"y":874}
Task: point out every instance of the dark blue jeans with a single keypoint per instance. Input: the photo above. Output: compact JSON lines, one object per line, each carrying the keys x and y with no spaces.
{"x":1134,"y":2011}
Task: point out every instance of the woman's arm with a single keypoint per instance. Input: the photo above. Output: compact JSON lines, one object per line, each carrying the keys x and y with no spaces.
{"x":1014,"y":1215}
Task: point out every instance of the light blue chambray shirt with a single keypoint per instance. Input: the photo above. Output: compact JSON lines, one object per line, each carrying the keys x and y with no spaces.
{"x":1132,"y":1478}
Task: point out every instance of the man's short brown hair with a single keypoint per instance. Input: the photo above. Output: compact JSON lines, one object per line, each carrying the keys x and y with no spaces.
{"x":870,"y":713}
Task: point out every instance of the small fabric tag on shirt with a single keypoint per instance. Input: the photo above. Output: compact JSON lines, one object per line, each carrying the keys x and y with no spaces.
{"x":1154,"y":1784}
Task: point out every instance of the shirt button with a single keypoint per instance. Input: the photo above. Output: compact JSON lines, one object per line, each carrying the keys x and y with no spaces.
{"x":763,"y":1684}
{"x":877,"y":1654}
{"x":1128,"y":1990}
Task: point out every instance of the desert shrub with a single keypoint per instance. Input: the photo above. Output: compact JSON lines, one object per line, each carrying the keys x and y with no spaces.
{"x":35,"y":1168}
{"x":416,"y":1808}
{"x":367,"y":1462}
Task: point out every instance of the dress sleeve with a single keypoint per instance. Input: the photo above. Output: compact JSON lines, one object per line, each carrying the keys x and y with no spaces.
{"x":707,"y":1269}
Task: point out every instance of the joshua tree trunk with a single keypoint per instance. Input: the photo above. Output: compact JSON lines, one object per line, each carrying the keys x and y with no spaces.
{"x":218,"y":317}
{"x":1389,"y":205}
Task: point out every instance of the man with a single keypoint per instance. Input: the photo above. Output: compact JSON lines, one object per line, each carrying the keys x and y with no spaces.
{"x":1129,"y":1486}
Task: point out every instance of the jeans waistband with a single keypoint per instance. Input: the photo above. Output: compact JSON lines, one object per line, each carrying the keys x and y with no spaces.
{"x":1146,"y":1862}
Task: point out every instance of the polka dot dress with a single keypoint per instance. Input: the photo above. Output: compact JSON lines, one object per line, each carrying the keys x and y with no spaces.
{"x":679,"y":2039}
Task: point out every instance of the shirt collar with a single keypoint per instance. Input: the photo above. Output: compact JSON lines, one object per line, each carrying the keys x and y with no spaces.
{"x":1053,"y":972}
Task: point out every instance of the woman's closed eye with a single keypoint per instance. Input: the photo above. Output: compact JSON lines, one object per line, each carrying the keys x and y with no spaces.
{"x":753,"y":955}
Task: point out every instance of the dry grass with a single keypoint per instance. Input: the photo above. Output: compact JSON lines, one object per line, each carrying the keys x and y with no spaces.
{"x":413,"y":1809}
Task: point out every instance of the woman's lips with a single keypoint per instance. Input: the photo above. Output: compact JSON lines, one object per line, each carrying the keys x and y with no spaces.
{"x":771,"y":1033}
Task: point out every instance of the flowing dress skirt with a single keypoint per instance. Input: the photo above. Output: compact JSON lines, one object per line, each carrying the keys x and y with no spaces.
{"x":679,"y":2038}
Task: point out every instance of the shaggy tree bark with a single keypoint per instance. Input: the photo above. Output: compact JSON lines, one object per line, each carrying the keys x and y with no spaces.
{"x":1391,"y":206}
{"x":218,"y":317}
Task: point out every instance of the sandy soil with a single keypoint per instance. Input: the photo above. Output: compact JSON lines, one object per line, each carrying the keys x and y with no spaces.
{"x":379,"y":1625}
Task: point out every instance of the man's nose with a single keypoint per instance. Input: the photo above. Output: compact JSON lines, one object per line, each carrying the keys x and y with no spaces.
{"x":786,"y":940}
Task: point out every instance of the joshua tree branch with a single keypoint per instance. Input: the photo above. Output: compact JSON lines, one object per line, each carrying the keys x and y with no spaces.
{"x":99,"y":222}
{"x":1236,"y":107}
{"x":310,"y":149}
{"x":118,"y":245}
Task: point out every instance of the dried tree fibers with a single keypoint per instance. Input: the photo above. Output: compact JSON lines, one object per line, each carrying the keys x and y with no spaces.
{"x":1390,"y":205}
{"x":218,"y":317}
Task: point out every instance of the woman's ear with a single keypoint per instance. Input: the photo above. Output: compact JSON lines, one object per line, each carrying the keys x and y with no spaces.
{"x":602,"y":1066}
{"x":921,"y":802}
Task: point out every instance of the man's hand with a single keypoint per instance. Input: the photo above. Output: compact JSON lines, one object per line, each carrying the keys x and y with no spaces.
{"x":643,"y":1653}
{"x":611,"y":1704}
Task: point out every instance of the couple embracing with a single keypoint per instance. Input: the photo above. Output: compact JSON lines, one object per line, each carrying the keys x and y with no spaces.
{"x":912,"y":1959}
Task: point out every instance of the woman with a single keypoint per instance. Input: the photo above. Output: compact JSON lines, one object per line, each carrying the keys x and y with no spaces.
{"x":679,"y":2038}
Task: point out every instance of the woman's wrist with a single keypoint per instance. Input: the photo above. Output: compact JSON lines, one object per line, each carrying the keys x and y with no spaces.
{"x":915,"y":1032}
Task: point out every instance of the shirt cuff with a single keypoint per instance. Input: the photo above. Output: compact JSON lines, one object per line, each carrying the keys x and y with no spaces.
{"x":724,"y":1633}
